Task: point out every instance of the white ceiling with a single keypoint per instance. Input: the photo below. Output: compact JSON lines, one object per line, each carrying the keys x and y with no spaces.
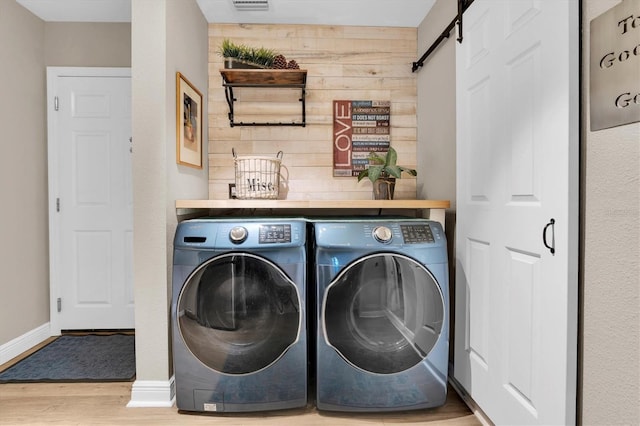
{"x":80,"y":10}
{"x":392,"y":13}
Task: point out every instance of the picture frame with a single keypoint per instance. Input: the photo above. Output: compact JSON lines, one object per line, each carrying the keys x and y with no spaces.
{"x":188,"y":123}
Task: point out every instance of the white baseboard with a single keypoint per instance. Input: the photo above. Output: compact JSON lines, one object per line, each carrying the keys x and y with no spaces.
{"x":23,"y":343}
{"x":152,"y":393}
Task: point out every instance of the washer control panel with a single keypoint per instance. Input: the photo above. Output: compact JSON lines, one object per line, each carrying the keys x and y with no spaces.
{"x":280,"y":233}
{"x":413,"y":234}
{"x":240,"y":233}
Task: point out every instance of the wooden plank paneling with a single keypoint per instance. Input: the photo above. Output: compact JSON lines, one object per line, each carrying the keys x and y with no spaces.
{"x":342,"y":63}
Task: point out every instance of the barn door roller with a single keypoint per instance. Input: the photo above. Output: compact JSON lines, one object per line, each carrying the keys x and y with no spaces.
{"x":460,"y":12}
{"x":463,"y":5}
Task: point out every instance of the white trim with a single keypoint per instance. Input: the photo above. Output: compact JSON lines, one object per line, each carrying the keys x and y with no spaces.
{"x":23,"y":343}
{"x":152,"y":393}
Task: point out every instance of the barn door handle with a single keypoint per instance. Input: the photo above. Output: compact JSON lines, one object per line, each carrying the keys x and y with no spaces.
{"x":552,"y":247}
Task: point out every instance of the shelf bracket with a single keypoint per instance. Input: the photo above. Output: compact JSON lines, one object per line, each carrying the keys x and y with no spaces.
{"x":228,"y":93}
{"x":267,"y":84}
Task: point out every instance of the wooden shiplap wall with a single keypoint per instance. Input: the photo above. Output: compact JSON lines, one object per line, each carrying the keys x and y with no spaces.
{"x":350,"y":63}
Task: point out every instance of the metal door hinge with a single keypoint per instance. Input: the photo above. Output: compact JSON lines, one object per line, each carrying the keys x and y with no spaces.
{"x":56,"y":103}
{"x":58,"y":204}
{"x":59,"y":304}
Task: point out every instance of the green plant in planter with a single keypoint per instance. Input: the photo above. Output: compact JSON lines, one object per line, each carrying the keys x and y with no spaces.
{"x":382,"y":172}
{"x":261,"y":57}
{"x":384,"y":167}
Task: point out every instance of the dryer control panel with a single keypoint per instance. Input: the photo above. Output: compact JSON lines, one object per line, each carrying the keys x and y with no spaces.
{"x":376,"y":233}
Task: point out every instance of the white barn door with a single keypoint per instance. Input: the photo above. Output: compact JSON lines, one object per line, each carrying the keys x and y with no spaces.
{"x":517,"y":145}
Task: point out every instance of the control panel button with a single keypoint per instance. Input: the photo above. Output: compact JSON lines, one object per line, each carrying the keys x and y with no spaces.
{"x":382,"y":234}
{"x":238,"y":234}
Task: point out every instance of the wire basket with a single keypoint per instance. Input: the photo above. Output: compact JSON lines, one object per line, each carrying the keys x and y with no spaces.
{"x":257,"y":177}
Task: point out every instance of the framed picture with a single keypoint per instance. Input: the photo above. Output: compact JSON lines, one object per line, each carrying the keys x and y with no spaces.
{"x":188,"y":123}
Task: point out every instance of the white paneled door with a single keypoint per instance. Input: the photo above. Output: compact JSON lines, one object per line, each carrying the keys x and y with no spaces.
{"x":91,"y":211}
{"x":517,"y":214}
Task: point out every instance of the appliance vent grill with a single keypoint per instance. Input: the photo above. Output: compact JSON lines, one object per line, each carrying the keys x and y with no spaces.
{"x":251,"y":4}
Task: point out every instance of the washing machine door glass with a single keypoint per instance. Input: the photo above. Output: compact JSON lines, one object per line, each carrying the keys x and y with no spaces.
{"x":383,"y":313}
{"x":239,"y":313}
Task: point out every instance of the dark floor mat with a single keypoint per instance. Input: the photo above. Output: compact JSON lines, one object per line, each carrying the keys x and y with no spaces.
{"x":96,"y":358}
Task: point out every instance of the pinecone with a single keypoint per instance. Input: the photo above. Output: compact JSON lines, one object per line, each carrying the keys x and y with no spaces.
{"x":293,"y":65}
{"x":279,"y":62}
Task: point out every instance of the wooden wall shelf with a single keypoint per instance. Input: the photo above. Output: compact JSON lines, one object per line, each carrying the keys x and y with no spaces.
{"x":263,"y":78}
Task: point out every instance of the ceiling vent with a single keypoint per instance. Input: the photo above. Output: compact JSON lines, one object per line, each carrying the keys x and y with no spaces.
{"x":251,"y":4}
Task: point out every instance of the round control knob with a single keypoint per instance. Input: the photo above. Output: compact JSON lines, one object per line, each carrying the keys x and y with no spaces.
{"x":238,"y":234}
{"x":382,"y":234}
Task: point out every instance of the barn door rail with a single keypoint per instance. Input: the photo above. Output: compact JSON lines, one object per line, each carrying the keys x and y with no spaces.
{"x":463,"y":5}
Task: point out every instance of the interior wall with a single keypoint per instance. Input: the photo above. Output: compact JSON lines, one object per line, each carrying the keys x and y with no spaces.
{"x":88,"y":44}
{"x":167,"y":36}
{"x":184,"y":182}
{"x":149,"y":162}
{"x":24,"y":254}
{"x":436,"y":113}
{"x":611,"y":258}
{"x":343,"y":63}
{"x":436,"y":118}
{"x":34,"y":44}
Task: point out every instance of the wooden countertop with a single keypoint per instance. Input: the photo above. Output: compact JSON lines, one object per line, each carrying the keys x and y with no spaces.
{"x":312,"y":204}
{"x":436,"y":208}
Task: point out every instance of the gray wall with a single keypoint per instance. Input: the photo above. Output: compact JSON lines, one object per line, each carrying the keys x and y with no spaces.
{"x":24,"y":254}
{"x":28,"y":46}
{"x":92,"y":44}
{"x":611,"y":257}
{"x":167,"y":36}
{"x":436,"y":118}
{"x":436,"y":146}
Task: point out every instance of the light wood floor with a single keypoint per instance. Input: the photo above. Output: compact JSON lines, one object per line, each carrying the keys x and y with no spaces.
{"x":105,"y":404}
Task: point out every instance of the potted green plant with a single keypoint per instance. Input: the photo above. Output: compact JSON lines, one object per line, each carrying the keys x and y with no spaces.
{"x":242,"y":56}
{"x":382,"y":172}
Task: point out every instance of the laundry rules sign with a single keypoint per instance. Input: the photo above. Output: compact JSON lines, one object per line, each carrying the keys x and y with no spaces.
{"x":359,"y":127}
{"x":615,"y":66}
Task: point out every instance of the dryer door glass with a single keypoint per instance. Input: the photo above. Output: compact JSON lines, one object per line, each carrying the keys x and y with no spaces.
{"x":383,"y":313}
{"x":239,"y":313}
